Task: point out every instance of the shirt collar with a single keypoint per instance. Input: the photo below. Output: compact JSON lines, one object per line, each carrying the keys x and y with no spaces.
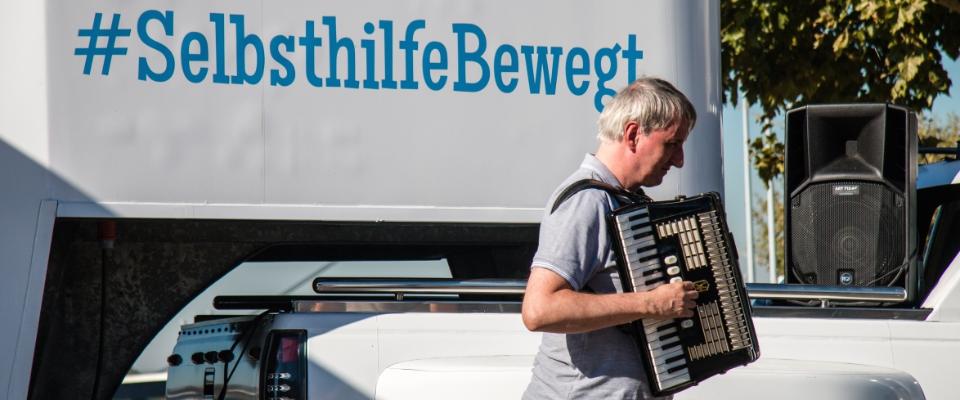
{"x":591,"y":163}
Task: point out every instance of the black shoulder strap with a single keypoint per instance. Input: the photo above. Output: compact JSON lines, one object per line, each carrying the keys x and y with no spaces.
{"x":623,"y":195}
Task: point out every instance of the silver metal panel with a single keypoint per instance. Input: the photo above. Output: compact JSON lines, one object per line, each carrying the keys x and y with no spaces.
{"x":321,"y":306}
{"x":821,"y":292}
{"x":508,"y":286}
{"x":401,"y":286}
{"x":186,"y":380}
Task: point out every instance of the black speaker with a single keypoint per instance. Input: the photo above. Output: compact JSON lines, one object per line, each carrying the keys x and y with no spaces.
{"x":850,"y":198}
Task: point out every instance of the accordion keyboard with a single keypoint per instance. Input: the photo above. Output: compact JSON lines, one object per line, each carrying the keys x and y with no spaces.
{"x":656,"y":250}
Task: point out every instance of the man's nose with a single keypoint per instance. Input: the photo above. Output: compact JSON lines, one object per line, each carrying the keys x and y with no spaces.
{"x":677,"y":159}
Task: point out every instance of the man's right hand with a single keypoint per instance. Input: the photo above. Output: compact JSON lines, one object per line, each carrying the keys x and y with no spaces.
{"x":673,"y":300}
{"x":551,"y":305}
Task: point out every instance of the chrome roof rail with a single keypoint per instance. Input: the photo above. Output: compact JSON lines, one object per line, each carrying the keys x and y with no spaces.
{"x":825,"y":294}
{"x":402,"y":286}
{"x":399,"y":287}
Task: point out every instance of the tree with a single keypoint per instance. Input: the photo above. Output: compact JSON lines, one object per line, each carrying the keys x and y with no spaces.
{"x":760,"y":244}
{"x":784,"y":53}
{"x":935,"y":133}
{"x":767,"y":154}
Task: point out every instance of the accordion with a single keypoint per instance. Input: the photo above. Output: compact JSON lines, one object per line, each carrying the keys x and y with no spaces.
{"x":685,"y":240}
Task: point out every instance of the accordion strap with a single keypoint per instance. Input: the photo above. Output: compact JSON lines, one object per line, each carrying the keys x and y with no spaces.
{"x":622,"y":195}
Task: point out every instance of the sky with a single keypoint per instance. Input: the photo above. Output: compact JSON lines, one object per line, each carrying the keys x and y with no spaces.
{"x":733,"y":164}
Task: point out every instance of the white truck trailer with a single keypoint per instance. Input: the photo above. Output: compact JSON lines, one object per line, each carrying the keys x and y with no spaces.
{"x":147,"y":148}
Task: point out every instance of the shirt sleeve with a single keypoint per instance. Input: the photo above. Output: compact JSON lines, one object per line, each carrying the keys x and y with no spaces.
{"x":573,"y":239}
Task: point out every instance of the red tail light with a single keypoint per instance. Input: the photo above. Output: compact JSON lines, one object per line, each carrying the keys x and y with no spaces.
{"x":284,"y":375}
{"x":289,"y":349}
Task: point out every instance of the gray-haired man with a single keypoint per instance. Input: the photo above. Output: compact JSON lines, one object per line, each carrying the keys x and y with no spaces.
{"x":573,"y":293}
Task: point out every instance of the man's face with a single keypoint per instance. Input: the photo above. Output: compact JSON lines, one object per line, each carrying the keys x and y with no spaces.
{"x":657,"y":152}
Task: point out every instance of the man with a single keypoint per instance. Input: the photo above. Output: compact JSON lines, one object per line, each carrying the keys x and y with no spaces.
{"x":573,"y":294}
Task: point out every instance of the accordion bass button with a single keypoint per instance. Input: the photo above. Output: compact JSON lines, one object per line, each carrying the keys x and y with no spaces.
{"x":674,"y":270}
{"x":686,"y":324}
{"x":670,"y":260}
{"x":676,"y":279}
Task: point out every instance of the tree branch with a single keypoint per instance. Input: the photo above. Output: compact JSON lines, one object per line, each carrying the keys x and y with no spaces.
{"x":952,"y":5}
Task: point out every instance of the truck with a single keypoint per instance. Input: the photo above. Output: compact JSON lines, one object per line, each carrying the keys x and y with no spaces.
{"x":149,"y":148}
{"x":437,"y":338}
{"x":393,"y":338}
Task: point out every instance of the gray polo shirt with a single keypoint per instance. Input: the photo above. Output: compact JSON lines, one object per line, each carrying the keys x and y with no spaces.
{"x":602,"y":364}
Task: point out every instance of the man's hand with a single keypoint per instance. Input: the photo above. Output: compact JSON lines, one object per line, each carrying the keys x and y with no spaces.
{"x":674,"y":300}
{"x":551,"y":305}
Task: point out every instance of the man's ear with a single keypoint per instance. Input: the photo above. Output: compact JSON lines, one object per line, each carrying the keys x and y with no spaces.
{"x":631,"y":135}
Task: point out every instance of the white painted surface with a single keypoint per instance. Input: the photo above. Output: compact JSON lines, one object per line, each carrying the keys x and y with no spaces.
{"x":944,"y":299}
{"x":23,"y":79}
{"x":23,"y":157}
{"x":801,"y":380}
{"x":199,"y":149}
{"x":145,"y":378}
{"x":838,"y":340}
{"x":403,"y":338}
{"x":480,"y":378}
{"x":929,"y":351}
{"x":300,"y":212}
{"x":506,"y":377}
{"x":32,"y":301}
{"x":342,"y":355}
{"x":348,"y":351}
{"x":111,"y":145}
{"x":923,"y":349}
{"x":398,"y":355}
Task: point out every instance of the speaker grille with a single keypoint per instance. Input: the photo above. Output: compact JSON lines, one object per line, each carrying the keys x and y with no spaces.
{"x":847,"y":227}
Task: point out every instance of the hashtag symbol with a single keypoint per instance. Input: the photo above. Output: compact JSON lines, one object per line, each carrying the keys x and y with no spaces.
{"x":95,"y":33}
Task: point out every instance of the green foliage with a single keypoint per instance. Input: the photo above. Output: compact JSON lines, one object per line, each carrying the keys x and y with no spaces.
{"x":767,"y":153}
{"x":761,"y":246}
{"x":782,"y":54}
{"x":934,"y":133}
